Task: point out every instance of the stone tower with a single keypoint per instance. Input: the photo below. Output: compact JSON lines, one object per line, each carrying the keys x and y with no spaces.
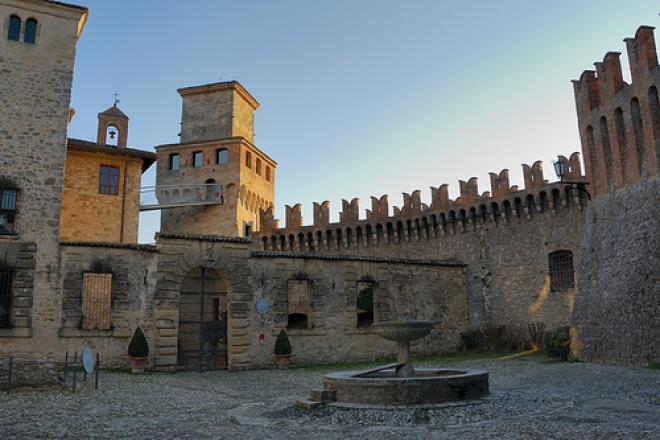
{"x":38,"y":47}
{"x":217,"y":173}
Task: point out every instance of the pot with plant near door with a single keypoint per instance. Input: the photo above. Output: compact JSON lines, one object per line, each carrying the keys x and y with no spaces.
{"x":282,"y":351}
{"x":138,"y":351}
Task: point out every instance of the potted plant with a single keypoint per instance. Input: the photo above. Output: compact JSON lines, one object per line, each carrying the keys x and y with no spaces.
{"x":138,"y":351}
{"x":282,"y":350}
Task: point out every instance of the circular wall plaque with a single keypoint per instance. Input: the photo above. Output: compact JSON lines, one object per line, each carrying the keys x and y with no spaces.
{"x":262,"y":305}
{"x":88,"y":360}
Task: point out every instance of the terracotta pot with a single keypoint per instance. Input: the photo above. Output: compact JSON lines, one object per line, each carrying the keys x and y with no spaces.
{"x":138,"y":364}
{"x":282,"y":361}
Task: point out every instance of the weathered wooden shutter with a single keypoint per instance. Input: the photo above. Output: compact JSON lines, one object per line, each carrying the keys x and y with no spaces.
{"x":97,"y":301}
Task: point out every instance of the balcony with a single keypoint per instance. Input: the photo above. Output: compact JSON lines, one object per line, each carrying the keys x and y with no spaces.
{"x":176,"y":196}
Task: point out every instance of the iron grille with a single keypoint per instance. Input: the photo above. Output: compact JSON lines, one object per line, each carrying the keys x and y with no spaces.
{"x":6,"y":288}
{"x":560,"y":265}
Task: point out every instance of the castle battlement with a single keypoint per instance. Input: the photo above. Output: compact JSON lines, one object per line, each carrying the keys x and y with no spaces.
{"x":618,"y":122}
{"x":501,"y":205}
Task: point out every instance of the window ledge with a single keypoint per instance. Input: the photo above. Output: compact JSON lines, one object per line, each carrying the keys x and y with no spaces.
{"x":9,"y":236}
{"x":94,"y":333}
{"x":359,"y":331}
{"x":18,"y":332}
{"x":303,"y":332}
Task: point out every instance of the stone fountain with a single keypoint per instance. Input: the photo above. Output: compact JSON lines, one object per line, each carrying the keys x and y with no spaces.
{"x":400,"y":383}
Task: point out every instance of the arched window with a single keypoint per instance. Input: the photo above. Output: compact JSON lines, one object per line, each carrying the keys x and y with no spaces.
{"x":248,"y":159}
{"x":258,"y":166}
{"x":14,"y":33}
{"x":267,"y":173}
{"x":30,"y":31}
{"x":560,"y":269}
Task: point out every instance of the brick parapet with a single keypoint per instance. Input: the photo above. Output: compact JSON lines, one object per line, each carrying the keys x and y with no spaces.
{"x":619,"y":122}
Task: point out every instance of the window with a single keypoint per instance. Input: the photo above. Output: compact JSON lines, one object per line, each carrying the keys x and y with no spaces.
{"x":248,"y":159}
{"x":561,"y":272}
{"x":175,"y":161}
{"x":247,"y":230}
{"x":108,"y":180}
{"x":365,"y":301}
{"x":300,"y":305}
{"x":198,"y":157}
{"x":221,"y":157}
{"x":97,"y":301}
{"x":30,"y":31}
{"x":259,"y":166}
{"x":6,"y":288}
{"x":14,"y":33}
{"x":7,"y":210}
{"x":267,"y":173}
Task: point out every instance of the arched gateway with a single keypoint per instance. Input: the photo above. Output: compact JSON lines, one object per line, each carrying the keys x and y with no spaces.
{"x":202,"y":342}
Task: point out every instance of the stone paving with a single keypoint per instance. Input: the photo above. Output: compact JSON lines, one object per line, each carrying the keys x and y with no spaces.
{"x":531,"y":398}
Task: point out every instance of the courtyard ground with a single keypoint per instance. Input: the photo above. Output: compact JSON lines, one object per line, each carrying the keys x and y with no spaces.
{"x":531,"y":398}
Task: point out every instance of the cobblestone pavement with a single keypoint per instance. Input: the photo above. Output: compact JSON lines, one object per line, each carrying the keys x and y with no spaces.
{"x":530,"y":399}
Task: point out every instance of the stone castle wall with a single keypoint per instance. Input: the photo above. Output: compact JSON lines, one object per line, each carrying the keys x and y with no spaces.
{"x":35,"y":87}
{"x":617,"y":307}
{"x":504,"y":236}
{"x":402,"y":290}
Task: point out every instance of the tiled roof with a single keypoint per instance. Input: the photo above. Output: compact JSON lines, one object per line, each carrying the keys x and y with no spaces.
{"x":66,"y":5}
{"x":215,"y":238}
{"x":310,"y":256}
{"x":103,"y":244}
{"x":147,"y":157}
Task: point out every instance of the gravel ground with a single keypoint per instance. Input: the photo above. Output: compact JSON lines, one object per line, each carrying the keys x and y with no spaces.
{"x":531,"y":398}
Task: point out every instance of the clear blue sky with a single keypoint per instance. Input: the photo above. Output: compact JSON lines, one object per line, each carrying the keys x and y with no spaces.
{"x":358,"y":97}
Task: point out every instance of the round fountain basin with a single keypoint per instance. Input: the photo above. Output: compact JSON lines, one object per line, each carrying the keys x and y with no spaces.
{"x":429,"y":386}
{"x":403,"y":331}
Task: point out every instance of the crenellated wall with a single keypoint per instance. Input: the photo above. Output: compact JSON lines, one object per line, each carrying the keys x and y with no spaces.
{"x":619,"y":123}
{"x":504,"y":235}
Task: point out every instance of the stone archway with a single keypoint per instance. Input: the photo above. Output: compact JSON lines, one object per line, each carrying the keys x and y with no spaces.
{"x":202,"y":329}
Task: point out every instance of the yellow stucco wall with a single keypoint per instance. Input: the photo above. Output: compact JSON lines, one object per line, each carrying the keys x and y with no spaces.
{"x":88,"y":215}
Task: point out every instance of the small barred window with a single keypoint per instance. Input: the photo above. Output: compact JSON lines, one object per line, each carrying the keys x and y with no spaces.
{"x":7,"y":210}
{"x":97,"y":301}
{"x":560,"y":268}
{"x":6,"y":293}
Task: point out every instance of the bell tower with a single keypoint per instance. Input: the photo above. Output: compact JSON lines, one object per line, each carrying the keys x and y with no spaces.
{"x":113,"y":127}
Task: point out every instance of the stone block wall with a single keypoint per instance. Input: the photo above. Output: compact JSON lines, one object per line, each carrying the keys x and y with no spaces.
{"x":402,"y":290}
{"x":35,"y":89}
{"x":507,"y":256}
{"x":617,"y":306}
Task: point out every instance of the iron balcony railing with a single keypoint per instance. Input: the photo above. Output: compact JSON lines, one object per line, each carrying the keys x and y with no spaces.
{"x":173,"y":196}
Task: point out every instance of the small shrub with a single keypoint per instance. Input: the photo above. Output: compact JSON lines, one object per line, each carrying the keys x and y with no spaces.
{"x":654,"y":366}
{"x":496,"y":335}
{"x":558,"y":343}
{"x":138,"y":347}
{"x":473,"y":339}
{"x":535,"y":331}
{"x":517,"y":336}
{"x":282,"y":344}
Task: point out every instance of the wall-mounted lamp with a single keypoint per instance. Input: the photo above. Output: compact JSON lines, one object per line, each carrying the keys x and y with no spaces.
{"x":560,"y":170}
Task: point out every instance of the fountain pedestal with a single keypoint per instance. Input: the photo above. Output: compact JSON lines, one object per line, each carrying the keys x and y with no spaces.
{"x":403,"y":332}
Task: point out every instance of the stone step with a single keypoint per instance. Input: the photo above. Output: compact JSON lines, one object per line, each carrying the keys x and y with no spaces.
{"x":308,"y":403}
{"x":323,"y":396}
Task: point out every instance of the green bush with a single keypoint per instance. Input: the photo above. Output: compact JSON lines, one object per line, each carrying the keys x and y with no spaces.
{"x":558,"y":343}
{"x":282,"y":345}
{"x":138,"y":346}
{"x":473,"y":339}
{"x":365,"y":299}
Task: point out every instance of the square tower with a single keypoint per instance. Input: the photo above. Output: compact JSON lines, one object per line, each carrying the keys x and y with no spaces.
{"x":215,"y":181}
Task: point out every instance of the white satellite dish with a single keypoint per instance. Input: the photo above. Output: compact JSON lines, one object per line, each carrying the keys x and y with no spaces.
{"x":88,"y":360}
